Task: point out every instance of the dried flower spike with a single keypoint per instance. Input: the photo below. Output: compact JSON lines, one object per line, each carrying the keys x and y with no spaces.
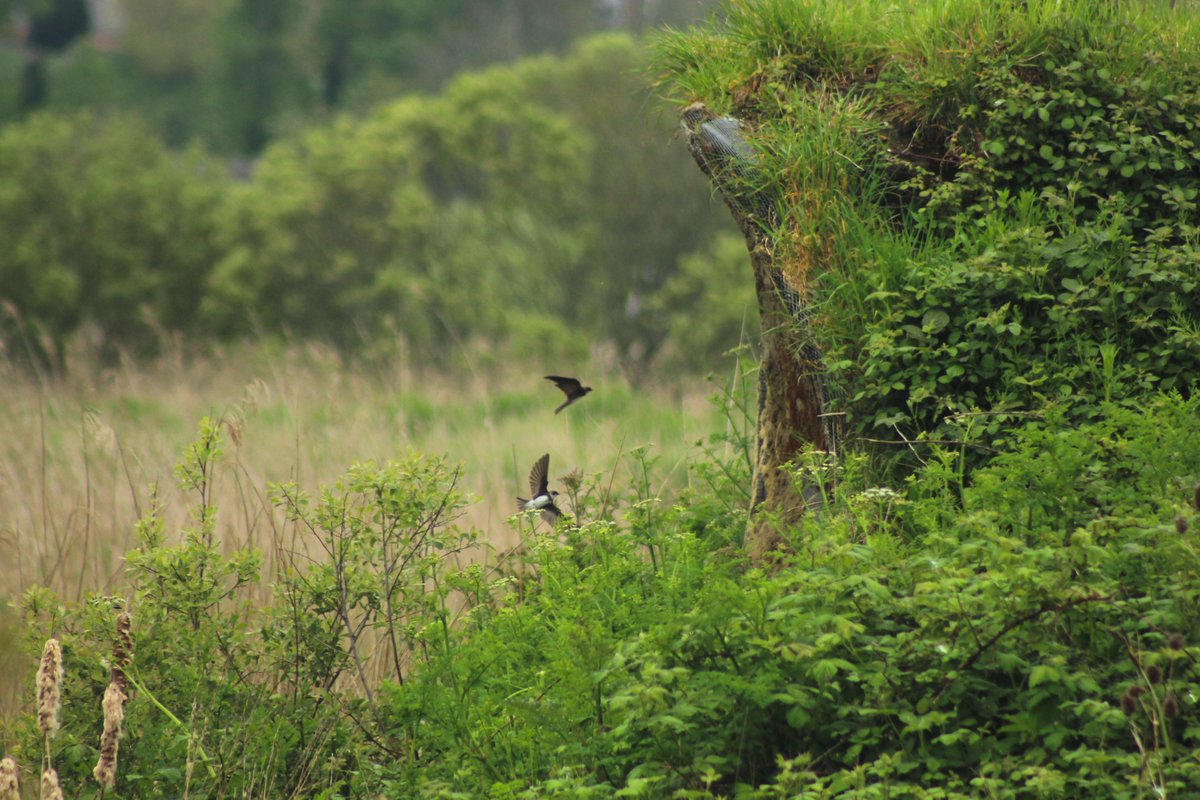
{"x":1176,"y":641}
{"x":114,"y":715}
{"x":9,"y":787}
{"x":1196,"y":498}
{"x":1128,"y":704}
{"x":1171,"y":707}
{"x":1154,"y":674}
{"x":1181,"y":525}
{"x":122,"y":652}
{"x":1136,"y":691}
{"x":50,"y":788}
{"x":49,"y":688}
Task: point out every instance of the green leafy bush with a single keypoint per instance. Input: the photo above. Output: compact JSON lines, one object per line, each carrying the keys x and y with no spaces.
{"x":238,"y":689}
{"x":1072,"y":314}
{"x":931,"y":639}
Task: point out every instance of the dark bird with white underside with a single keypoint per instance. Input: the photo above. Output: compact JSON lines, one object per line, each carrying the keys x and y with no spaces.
{"x":571,"y":387}
{"x":542,"y":498}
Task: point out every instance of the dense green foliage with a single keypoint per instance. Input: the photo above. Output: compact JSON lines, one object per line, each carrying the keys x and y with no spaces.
{"x":998,"y":200}
{"x":1010,"y":610}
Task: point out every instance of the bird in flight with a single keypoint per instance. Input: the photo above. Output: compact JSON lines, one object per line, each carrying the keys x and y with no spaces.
{"x":541,"y":498}
{"x":570,"y":387}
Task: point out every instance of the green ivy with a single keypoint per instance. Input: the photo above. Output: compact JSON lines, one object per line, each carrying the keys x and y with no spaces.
{"x":1075,"y":316}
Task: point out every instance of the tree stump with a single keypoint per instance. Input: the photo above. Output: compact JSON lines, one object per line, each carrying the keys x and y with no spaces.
{"x":793,"y":397}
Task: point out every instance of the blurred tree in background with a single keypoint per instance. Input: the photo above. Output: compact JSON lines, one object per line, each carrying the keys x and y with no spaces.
{"x":104,"y":226}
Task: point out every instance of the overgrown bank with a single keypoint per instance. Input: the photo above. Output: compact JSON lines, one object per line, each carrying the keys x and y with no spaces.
{"x":995,"y":204}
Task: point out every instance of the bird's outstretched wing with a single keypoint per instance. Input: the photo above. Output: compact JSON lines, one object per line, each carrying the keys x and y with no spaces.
{"x":571,"y":387}
{"x":538,"y":482}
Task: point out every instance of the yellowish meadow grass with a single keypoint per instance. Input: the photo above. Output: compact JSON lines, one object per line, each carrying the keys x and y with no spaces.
{"x":78,"y":455}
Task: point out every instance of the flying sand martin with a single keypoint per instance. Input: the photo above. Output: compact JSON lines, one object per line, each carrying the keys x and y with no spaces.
{"x":542,"y":498}
{"x":570,"y":387}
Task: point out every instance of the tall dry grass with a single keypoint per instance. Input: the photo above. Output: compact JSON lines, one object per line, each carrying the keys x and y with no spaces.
{"x":79,"y":455}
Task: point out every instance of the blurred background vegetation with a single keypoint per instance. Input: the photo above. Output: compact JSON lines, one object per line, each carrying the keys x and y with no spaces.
{"x":433,"y":178}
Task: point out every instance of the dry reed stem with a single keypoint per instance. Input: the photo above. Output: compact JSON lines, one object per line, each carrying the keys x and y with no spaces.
{"x":49,"y":688}
{"x":114,"y":715}
{"x":10,"y":788}
{"x":50,"y":788}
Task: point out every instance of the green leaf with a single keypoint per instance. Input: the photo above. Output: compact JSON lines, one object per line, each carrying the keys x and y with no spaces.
{"x":1044,"y":674}
{"x":934,"y":321}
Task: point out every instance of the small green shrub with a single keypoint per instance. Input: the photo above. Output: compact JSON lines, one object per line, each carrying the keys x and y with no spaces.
{"x":234,"y":692}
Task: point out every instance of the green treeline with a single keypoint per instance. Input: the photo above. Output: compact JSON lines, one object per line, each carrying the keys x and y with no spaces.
{"x":237,"y":74}
{"x":541,"y":204}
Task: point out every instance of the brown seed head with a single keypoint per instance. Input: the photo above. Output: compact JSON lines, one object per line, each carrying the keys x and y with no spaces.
{"x":1196,"y":498}
{"x":234,"y":428}
{"x":50,"y":788}
{"x":49,"y":688}
{"x":1176,"y":641}
{"x":114,"y":715}
{"x":1136,"y":691}
{"x":10,"y":789}
{"x":1128,"y":704}
{"x":1181,"y":525}
{"x":1154,"y":673}
{"x":1170,"y":707}
{"x":573,"y":480}
{"x":122,"y":652}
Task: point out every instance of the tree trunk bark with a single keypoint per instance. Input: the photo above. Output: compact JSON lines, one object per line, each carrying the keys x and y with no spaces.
{"x":793,"y":402}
